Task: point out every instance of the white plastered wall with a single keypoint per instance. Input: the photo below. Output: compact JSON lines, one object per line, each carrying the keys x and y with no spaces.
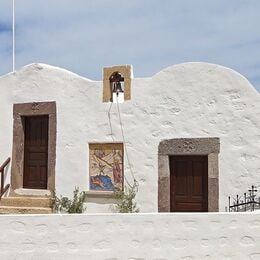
{"x":131,"y":237}
{"x":187,"y":100}
{"x":6,"y":119}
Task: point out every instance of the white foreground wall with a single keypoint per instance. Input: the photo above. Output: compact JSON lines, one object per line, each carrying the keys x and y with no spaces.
{"x":188,"y":100}
{"x":131,"y":237}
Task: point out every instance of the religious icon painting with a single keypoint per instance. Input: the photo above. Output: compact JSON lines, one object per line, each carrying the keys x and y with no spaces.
{"x":106,"y":166}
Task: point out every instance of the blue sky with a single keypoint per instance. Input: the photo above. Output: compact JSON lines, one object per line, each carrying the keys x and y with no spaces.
{"x":85,"y":35}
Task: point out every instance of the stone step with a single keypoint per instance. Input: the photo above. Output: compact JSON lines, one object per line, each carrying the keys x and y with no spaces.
{"x":24,"y":210}
{"x":42,"y":202}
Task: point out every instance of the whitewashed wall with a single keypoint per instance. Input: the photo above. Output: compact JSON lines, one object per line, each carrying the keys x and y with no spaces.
{"x":186,"y":100}
{"x":6,"y":126}
{"x":131,"y":237}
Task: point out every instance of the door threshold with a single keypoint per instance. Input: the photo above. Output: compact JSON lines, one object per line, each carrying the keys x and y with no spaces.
{"x":32,"y":192}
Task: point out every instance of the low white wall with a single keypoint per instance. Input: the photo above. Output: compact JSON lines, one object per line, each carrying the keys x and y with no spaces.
{"x":131,"y":236}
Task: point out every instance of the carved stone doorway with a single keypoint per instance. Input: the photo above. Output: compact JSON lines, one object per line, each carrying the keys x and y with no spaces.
{"x":20,"y":112}
{"x":209,"y":147}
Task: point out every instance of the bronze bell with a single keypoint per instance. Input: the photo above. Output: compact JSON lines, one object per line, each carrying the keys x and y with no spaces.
{"x":117,"y":88}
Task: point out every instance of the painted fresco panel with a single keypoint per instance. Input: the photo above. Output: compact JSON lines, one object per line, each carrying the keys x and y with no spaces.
{"x":106,"y":166}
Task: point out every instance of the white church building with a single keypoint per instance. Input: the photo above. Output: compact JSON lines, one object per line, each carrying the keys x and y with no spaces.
{"x":189,"y":135}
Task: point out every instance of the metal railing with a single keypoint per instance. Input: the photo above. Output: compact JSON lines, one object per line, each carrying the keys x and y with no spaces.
{"x":247,"y":202}
{"x":3,"y":188}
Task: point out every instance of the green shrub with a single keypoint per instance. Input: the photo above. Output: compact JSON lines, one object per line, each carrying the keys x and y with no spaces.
{"x":126,"y":199}
{"x":64,"y":204}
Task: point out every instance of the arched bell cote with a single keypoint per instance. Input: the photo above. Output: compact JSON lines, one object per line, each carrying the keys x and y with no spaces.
{"x":117,"y":78}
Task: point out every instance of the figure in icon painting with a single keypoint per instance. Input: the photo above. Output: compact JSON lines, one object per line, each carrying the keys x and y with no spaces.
{"x":106,"y":166}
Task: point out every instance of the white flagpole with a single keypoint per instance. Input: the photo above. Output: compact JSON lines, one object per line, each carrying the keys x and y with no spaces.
{"x":13,"y":35}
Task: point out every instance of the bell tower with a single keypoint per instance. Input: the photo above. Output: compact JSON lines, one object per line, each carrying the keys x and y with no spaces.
{"x":117,"y":83}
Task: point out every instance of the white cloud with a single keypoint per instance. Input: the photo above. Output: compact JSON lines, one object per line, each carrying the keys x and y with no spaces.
{"x":83,"y":36}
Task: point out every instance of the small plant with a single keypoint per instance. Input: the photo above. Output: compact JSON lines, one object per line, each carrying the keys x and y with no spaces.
{"x":64,"y":204}
{"x":126,"y":199}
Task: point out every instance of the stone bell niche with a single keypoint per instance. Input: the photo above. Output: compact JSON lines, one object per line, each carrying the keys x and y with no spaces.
{"x":117,"y":83}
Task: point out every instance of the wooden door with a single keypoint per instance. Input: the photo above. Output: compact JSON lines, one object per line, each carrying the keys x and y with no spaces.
{"x":35,"y":152}
{"x":189,"y":183}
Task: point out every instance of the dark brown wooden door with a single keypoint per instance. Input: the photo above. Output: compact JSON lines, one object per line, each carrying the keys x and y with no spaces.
{"x":189,"y":183}
{"x":35,"y":152}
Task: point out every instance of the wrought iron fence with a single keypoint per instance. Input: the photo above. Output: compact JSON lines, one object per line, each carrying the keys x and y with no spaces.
{"x":248,"y":202}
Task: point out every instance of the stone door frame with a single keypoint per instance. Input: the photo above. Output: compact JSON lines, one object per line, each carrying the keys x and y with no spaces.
{"x":32,"y":109}
{"x":188,"y":146}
